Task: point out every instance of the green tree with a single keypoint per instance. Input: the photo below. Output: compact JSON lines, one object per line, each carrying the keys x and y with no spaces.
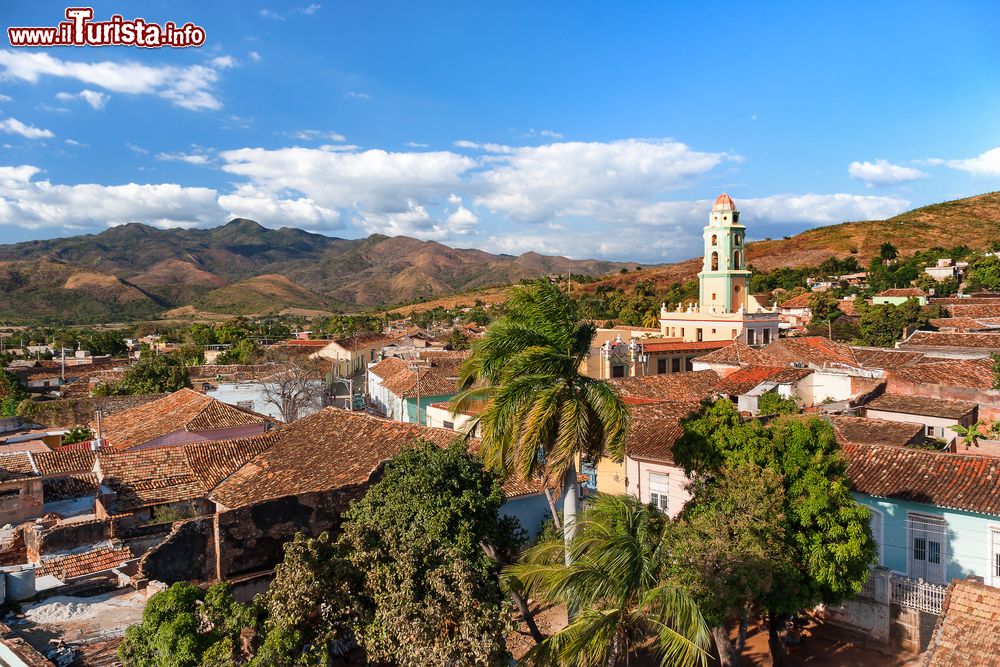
{"x":184,"y":626}
{"x":614,"y":578}
{"x":77,"y":434}
{"x":996,"y":370}
{"x":773,"y":403}
{"x":727,"y":545}
{"x":827,"y":535}
{"x":153,"y":374}
{"x":458,"y":340}
{"x":883,"y":325}
{"x":984,"y":273}
{"x":970,"y":434}
{"x":316,"y":604}
{"x":825,"y":308}
{"x":11,"y":393}
{"x":887,"y":252}
{"x":542,"y":413}
{"x":244,"y":351}
{"x":417,"y":535}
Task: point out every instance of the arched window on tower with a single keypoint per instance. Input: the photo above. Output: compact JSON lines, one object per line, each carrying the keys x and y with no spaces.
{"x":715,"y":261}
{"x":736,"y":260}
{"x":715,"y":240}
{"x":736,"y":240}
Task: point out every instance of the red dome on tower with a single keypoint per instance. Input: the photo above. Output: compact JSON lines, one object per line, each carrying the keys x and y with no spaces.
{"x":724,"y":203}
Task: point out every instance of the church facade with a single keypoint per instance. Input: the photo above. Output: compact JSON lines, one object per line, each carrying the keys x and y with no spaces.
{"x":725,"y":310}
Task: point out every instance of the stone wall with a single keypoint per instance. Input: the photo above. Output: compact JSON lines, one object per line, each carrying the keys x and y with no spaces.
{"x":69,"y":412}
{"x":187,"y":553}
{"x":41,"y":541}
{"x":988,"y":399}
{"x":251,"y":539}
{"x":21,"y":500}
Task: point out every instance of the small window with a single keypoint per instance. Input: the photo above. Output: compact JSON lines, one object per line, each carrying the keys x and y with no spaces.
{"x":699,"y":334}
{"x":930,"y":431}
{"x":450,"y":425}
{"x":244,"y":405}
{"x":715,"y":261}
{"x":713,"y":330}
{"x":715,"y":240}
{"x":713,"y":296}
{"x":751,"y":338}
{"x":659,"y":491}
{"x":618,"y":371}
{"x":675,"y":365}
{"x":767,"y":336}
{"x":919,"y":548}
{"x":737,"y":289}
{"x":736,"y":260}
{"x":688,"y":366}
{"x":736,"y":239}
{"x":661,"y":366}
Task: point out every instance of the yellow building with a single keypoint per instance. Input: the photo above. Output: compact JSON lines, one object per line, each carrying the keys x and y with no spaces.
{"x":725,"y":310}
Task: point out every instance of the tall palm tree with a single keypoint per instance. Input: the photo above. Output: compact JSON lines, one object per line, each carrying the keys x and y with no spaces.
{"x":542,"y":413}
{"x":614,"y":577}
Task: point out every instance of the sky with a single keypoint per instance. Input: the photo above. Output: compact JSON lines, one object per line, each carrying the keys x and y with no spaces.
{"x":585,"y":129}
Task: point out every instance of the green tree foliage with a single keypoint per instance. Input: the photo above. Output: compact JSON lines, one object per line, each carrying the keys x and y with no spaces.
{"x":542,"y":412}
{"x":887,"y":252}
{"x":153,"y":374}
{"x":11,"y":393}
{"x":614,"y":577}
{"x":882,"y":325}
{"x":316,"y":604}
{"x":77,"y":434}
{"x":827,"y":534}
{"x":984,"y":273}
{"x":185,"y":626}
{"x":824,"y":307}
{"x":417,"y":536}
{"x":243,"y":351}
{"x":458,"y":340}
{"x":996,"y":370}
{"x":773,"y":403}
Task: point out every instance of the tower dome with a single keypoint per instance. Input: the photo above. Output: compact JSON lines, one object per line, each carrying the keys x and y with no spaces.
{"x":724,"y":203}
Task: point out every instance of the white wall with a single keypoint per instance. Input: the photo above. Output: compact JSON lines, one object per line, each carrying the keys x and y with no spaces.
{"x":819,"y":386}
{"x":638,"y":483}
{"x":253,"y":392}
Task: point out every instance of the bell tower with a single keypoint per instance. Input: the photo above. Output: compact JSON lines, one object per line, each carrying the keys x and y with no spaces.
{"x":724,"y":278}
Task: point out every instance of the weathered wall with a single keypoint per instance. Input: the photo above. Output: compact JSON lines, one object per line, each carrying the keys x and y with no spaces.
{"x":43,"y":541}
{"x":988,"y":399}
{"x":251,"y":539}
{"x":187,"y":553}
{"x":21,"y":500}
{"x":68,"y":412}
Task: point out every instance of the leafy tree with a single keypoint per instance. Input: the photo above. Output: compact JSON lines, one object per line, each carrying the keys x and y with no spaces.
{"x":184,"y":626}
{"x":827,"y":534}
{"x":316,"y":604}
{"x":727,"y":546}
{"x":984,"y":273}
{"x":773,"y":403}
{"x":417,"y":535}
{"x":614,"y":578}
{"x":825,"y":308}
{"x":887,"y":252}
{"x":77,"y":434}
{"x":244,"y":351}
{"x":970,"y":434}
{"x":883,"y":324}
{"x":996,"y":370}
{"x":11,"y":393}
{"x":153,"y":374}
{"x":542,"y":412}
{"x":458,"y":340}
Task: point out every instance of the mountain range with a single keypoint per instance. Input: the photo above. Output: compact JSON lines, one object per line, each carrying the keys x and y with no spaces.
{"x":136,"y":271}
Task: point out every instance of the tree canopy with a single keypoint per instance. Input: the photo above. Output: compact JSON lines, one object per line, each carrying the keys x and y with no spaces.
{"x":153,"y":374}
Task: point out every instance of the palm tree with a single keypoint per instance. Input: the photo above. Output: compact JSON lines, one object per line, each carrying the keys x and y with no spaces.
{"x":542,"y":413}
{"x":970,"y":435}
{"x":614,"y":577}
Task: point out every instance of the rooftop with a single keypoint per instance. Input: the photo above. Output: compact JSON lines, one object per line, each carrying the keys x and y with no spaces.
{"x":971,"y":373}
{"x":739,"y":354}
{"x":724,"y":203}
{"x":884,"y":358}
{"x":437,"y":373}
{"x":921,"y":405}
{"x":682,"y":346}
{"x":955,"y":481}
{"x":815,"y":350}
{"x":966,"y":632}
{"x":908,"y":292}
{"x":655,"y":428}
{"x":864,"y":431}
{"x":749,"y":377}
{"x":942,"y":339}
{"x":678,"y":387}
{"x":185,"y":410}
{"x":799,"y":301}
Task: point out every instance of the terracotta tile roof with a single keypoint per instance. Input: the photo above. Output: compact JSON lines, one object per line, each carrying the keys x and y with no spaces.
{"x":298,"y":342}
{"x":655,"y":428}
{"x":438,"y":376}
{"x":814,"y":350}
{"x":848,"y":307}
{"x":954,"y":481}
{"x":966,"y":632}
{"x":864,"y":431}
{"x":989,"y":342}
{"x":65,"y":461}
{"x":72,"y":566}
{"x":921,"y":405}
{"x":749,"y":377}
{"x":389,"y":367}
{"x":973,"y":373}
{"x":324,"y":451}
{"x":16,"y":465}
{"x":147,"y":477}
{"x":903,"y":291}
{"x":990,"y":309}
{"x":681,"y":346}
{"x":798,"y":301}
{"x":77,"y":485}
{"x":884,"y":358}
{"x":182,"y":410}
{"x":684,"y":387}
{"x":965,"y":323}
{"x":739,"y":354}
{"x":362,"y":341}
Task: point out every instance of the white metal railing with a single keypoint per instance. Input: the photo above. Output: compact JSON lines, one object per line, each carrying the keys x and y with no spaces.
{"x":918,"y":594}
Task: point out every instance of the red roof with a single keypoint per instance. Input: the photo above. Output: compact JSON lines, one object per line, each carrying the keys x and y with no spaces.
{"x":798,"y":301}
{"x":681,"y":346}
{"x":724,"y":203}
{"x":295,"y":342}
{"x":903,"y":291}
{"x":965,"y":633}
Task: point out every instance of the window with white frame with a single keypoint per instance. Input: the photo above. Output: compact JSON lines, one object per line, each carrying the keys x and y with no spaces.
{"x":659,"y":487}
{"x":927,"y":547}
{"x":877,"y":531}
{"x":995,"y":556}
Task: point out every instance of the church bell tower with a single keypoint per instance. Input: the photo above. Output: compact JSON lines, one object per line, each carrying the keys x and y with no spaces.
{"x":724,"y":278}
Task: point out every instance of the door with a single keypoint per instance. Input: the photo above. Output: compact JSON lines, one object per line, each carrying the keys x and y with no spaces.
{"x":927,"y":548}
{"x":995,"y":556}
{"x":877,"y":532}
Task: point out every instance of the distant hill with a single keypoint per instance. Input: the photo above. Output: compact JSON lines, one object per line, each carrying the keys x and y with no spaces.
{"x":147,"y":270}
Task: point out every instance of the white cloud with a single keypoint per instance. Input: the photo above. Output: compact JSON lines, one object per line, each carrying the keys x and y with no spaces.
{"x":984,"y":164}
{"x":416,"y":144}
{"x":14,"y":126}
{"x":537,"y":183}
{"x":92,"y":97}
{"x":311,"y":9}
{"x":882,"y":172}
{"x":461,"y":220}
{"x":6,"y":98}
{"x":191,"y":87}
{"x":38,"y":203}
{"x":254,"y":56}
{"x":312,"y":135}
{"x":271,"y":14}
{"x":250,"y":202}
{"x":190,"y":158}
{"x":359,"y":96}
{"x":74,"y":142}
{"x":223,"y":62}
{"x":136,"y":149}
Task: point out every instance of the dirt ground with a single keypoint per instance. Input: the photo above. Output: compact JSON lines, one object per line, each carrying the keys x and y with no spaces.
{"x":824,"y":646}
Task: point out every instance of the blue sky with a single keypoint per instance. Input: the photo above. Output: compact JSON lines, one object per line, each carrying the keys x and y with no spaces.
{"x":583,"y":129}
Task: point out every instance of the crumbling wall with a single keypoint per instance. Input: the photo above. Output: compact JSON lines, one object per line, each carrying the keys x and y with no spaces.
{"x":251,"y":539}
{"x":187,"y":553}
{"x":41,"y":541}
{"x":21,"y":500}
{"x":69,"y":412}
